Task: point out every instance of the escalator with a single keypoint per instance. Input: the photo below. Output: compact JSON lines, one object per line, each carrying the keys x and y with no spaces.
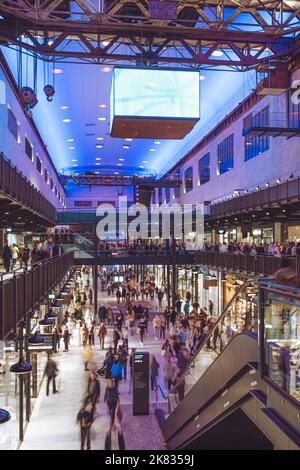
{"x":225,"y":401}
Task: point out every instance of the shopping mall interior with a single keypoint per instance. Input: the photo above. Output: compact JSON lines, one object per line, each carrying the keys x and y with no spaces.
{"x":149,"y":226}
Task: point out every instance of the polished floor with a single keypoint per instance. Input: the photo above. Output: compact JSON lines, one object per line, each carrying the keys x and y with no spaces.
{"x":53,"y":424}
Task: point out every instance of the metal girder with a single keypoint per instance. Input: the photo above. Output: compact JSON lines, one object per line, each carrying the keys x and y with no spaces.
{"x":119,"y":180}
{"x":152,"y":32}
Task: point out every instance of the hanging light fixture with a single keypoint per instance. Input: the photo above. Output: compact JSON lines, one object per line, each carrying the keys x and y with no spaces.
{"x":46,"y":321}
{"x":56,"y":304}
{"x":60,"y":297}
{"x":35,"y":339}
{"x":4,"y":416}
{"x":51,"y":314}
{"x":21,"y":367}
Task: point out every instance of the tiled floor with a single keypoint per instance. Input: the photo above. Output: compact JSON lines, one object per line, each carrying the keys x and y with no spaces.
{"x":53,"y":425}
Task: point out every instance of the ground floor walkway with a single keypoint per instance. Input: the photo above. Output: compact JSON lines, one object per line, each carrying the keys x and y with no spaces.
{"x":53,"y":423}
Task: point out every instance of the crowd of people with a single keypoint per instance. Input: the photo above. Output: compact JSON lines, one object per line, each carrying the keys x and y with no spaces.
{"x":21,"y":255}
{"x":243,"y":248}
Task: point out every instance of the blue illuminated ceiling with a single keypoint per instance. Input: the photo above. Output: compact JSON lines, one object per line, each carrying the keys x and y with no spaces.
{"x":84,"y":88}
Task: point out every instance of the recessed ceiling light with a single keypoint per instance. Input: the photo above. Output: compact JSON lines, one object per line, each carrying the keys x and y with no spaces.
{"x":119,"y":164}
{"x":57,"y":71}
{"x":105,"y":43}
{"x":202,"y":77}
{"x":99,"y":146}
{"x":102,"y":119}
{"x":64,"y":107}
{"x":126,"y":147}
{"x":106,"y":69}
{"x":74,"y":160}
{"x":157,"y":142}
{"x":98,"y":158}
{"x":116,"y":172}
{"x":66,"y":120}
{"x":70,"y":140}
{"x":103,"y":105}
{"x":121,"y":159}
{"x":141,"y":166}
{"x":97,"y":164}
{"x":128,"y":140}
{"x":217,"y":53}
{"x":71,"y":148}
{"x":144,"y":161}
{"x":75,"y":165}
{"x":99,"y":138}
{"x":6,"y":213}
{"x":97,"y":172}
{"x":152,"y":150}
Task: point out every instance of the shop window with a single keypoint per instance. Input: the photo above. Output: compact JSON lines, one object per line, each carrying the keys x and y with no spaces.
{"x":225,"y":155}
{"x":168,"y":195}
{"x":177,"y":175}
{"x":38,"y":165}
{"x":55,"y":190}
{"x":188,"y":179}
{"x":13,"y":125}
{"x":294,"y":112}
{"x":28,"y":149}
{"x":160,"y":198}
{"x":204,"y":169}
{"x":83,"y":203}
{"x":256,"y":145}
{"x":51,"y":184}
{"x":46,"y":176}
{"x":154,"y":197}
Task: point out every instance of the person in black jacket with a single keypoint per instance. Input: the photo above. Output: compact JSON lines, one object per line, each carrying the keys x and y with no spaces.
{"x":85,"y":419}
{"x":6,"y":255}
{"x":116,"y":337}
{"x":111,"y":398}
{"x":93,"y":392}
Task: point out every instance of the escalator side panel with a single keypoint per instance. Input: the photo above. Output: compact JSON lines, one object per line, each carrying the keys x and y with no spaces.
{"x":240,"y":351}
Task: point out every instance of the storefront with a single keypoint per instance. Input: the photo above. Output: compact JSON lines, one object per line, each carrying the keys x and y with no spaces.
{"x":209,"y":282}
{"x":243,"y":312}
{"x":282,"y":336}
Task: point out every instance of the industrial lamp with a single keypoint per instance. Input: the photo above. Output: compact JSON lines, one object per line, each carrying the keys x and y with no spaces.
{"x":21,"y":367}
{"x":46,"y":321}
{"x":35,"y":339}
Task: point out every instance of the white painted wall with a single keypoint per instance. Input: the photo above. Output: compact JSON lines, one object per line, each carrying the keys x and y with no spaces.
{"x":15,"y":151}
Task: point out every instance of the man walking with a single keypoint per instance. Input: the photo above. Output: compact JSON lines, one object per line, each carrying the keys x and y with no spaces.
{"x":51,"y":372}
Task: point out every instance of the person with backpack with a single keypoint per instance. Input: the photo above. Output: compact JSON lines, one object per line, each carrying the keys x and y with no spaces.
{"x":116,"y":372}
{"x":111,"y":398}
{"x":123,"y":361}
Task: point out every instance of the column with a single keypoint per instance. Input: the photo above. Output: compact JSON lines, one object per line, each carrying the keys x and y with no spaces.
{"x":277,"y":232}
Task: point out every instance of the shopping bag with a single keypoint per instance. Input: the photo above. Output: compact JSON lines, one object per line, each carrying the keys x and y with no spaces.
{"x":119,"y":414}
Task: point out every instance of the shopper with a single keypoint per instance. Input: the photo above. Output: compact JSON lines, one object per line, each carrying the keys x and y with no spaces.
{"x":154,"y":367}
{"x":51,"y":372}
{"x":6,"y":256}
{"x":86,"y":420}
{"x":111,"y":398}
{"x":93,"y":392}
{"x":102,"y":334}
{"x":66,"y":338}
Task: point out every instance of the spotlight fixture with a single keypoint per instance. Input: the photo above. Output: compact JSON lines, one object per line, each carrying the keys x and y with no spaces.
{"x":57,"y":71}
{"x":292,"y":176}
{"x":278,"y":180}
{"x":267,"y":184}
{"x":56,"y":304}
{"x":257,"y":187}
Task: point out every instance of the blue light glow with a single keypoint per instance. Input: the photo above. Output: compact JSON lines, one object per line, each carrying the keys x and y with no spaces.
{"x":156,"y":93}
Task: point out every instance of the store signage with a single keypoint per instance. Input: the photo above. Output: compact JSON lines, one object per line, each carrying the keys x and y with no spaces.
{"x":140,"y":383}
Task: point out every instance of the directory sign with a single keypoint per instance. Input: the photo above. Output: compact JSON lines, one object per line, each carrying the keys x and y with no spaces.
{"x":140,"y":383}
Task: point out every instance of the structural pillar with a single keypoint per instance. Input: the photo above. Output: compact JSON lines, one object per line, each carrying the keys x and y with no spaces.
{"x":277,"y":232}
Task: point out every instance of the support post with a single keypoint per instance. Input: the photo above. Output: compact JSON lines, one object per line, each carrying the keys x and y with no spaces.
{"x":95,"y":269}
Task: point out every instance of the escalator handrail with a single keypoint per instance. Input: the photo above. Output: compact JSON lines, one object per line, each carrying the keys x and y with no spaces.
{"x":218,"y":322}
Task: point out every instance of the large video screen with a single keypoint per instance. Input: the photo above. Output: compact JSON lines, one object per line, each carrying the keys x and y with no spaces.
{"x":148,"y":93}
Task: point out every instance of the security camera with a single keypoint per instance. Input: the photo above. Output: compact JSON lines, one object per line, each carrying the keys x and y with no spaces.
{"x":49,"y":92}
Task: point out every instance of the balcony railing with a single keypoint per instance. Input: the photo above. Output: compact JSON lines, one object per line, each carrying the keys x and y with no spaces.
{"x":17,"y":187}
{"x":260,"y":264}
{"x":21,"y":290}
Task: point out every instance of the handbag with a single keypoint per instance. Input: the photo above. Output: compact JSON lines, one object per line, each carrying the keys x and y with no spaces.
{"x":119,"y":414}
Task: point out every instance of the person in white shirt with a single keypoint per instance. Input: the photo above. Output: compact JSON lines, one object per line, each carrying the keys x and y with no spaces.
{"x":15,"y":254}
{"x":223,"y":248}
